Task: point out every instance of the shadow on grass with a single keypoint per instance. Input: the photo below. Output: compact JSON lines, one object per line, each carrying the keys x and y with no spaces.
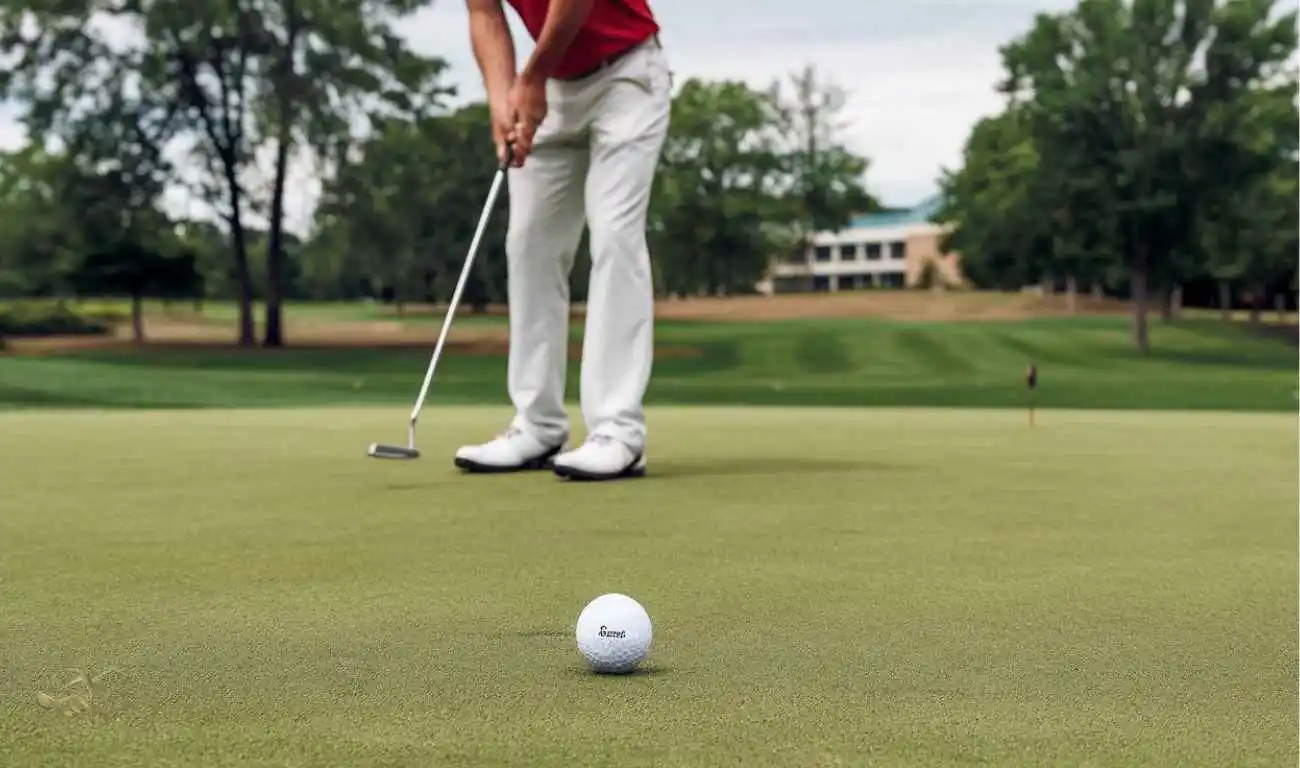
{"x":742,"y":467}
{"x":645,"y":670}
{"x":671,"y":468}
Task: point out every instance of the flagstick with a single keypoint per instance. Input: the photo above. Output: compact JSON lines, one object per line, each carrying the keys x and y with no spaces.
{"x":1031,"y":382}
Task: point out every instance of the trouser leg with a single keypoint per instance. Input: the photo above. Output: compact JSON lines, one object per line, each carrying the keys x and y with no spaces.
{"x":627,"y":136}
{"x":545,"y":226}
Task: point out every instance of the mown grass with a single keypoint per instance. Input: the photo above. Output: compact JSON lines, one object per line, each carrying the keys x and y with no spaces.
{"x":1083,"y":363}
{"x":829,"y":587}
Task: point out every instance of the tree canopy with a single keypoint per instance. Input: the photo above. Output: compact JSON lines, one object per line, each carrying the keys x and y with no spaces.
{"x":1146,"y":144}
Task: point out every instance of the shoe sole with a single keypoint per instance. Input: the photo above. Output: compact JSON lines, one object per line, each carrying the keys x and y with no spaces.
{"x":571,"y":473}
{"x":543,"y":462}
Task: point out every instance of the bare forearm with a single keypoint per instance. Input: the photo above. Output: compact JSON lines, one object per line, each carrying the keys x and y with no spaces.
{"x":563,"y":21}
{"x":494,"y":48}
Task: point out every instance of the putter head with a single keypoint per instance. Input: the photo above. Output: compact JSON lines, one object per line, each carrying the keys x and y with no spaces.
{"x":380,"y":451}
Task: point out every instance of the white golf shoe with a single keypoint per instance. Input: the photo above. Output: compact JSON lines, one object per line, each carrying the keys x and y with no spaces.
{"x":600,"y":458}
{"x":512,"y":451}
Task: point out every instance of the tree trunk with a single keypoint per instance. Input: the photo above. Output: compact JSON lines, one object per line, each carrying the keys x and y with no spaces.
{"x":1071,"y":294}
{"x":1141,"y":337}
{"x":244,"y":281}
{"x":1225,"y":301}
{"x":1167,"y":305}
{"x":137,"y":319}
{"x":1098,"y":292}
{"x":243,"y":278}
{"x":273,"y":334}
{"x":274,"y":331}
{"x":1257,"y":306}
{"x":1279,"y":303}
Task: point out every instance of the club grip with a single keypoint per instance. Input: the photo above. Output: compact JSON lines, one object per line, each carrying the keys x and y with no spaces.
{"x":506,"y":158}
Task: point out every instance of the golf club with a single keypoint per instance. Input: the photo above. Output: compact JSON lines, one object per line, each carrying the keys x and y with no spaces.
{"x":409,"y":451}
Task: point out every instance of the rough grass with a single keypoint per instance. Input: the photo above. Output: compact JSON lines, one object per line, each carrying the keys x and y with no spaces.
{"x":830,"y":587}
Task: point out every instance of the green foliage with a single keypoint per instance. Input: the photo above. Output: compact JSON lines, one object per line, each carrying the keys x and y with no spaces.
{"x":90,"y":226}
{"x":219,"y":82}
{"x":745,"y":177}
{"x":1147,"y":141}
{"x":38,"y":248}
{"x":741,"y":172}
{"x":396,"y":219}
{"x":713,"y":202}
{"x":824,"y":183}
{"x":18,"y":319}
{"x":1003,"y":240}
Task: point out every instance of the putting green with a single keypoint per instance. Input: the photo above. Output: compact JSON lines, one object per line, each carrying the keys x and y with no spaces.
{"x":830,"y":587}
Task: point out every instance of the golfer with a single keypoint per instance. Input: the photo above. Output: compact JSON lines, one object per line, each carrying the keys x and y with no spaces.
{"x":586,"y":117}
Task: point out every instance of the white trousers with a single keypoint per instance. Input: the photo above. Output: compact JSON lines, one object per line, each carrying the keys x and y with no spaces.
{"x":593,"y":161}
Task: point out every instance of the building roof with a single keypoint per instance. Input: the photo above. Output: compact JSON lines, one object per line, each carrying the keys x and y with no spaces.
{"x":917,"y":214}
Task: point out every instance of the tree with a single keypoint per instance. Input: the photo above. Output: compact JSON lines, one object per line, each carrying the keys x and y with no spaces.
{"x":719,"y":192}
{"x":332,"y":62}
{"x":77,"y":228}
{"x":1000,"y":225}
{"x":221,"y":80}
{"x":37,"y":248}
{"x":369,"y":220}
{"x":186,"y":73}
{"x":399,"y":214}
{"x":1249,"y":221}
{"x":137,"y":270}
{"x":1130,"y":97}
{"x":112,"y":193}
{"x":825,"y":179}
{"x":1254,"y":240}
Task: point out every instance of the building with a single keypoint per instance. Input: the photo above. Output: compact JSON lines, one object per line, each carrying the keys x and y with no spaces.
{"x":877,"y":250}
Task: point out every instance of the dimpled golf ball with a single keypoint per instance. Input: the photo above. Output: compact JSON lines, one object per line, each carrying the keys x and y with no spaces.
{"x":614,"y":634}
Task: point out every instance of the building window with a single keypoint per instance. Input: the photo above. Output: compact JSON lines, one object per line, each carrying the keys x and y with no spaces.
{"x":822,"y":253}
{"x":873,"y":251}
{"x":821,"y":283}
{"x":892,"y":280}
{"x":848,"y":253}
{"x":898,"y":250}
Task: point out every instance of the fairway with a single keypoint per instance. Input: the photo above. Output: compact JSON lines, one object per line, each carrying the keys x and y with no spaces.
{"x":829,"y":587}
{"x":1084,"y":363}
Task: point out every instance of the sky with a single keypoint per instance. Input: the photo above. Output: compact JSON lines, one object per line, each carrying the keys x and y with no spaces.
{"x":919,"y":73}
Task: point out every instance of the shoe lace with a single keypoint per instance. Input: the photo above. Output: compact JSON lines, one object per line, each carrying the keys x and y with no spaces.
{"x":600,"y":439}
{"x":511,"y":432}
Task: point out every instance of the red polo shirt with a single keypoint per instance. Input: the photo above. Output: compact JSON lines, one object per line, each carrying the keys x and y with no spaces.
{"x":614,"y":26}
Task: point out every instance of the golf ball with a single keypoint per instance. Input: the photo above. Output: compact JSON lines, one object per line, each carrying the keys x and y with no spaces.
{"x":614,"y":634}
